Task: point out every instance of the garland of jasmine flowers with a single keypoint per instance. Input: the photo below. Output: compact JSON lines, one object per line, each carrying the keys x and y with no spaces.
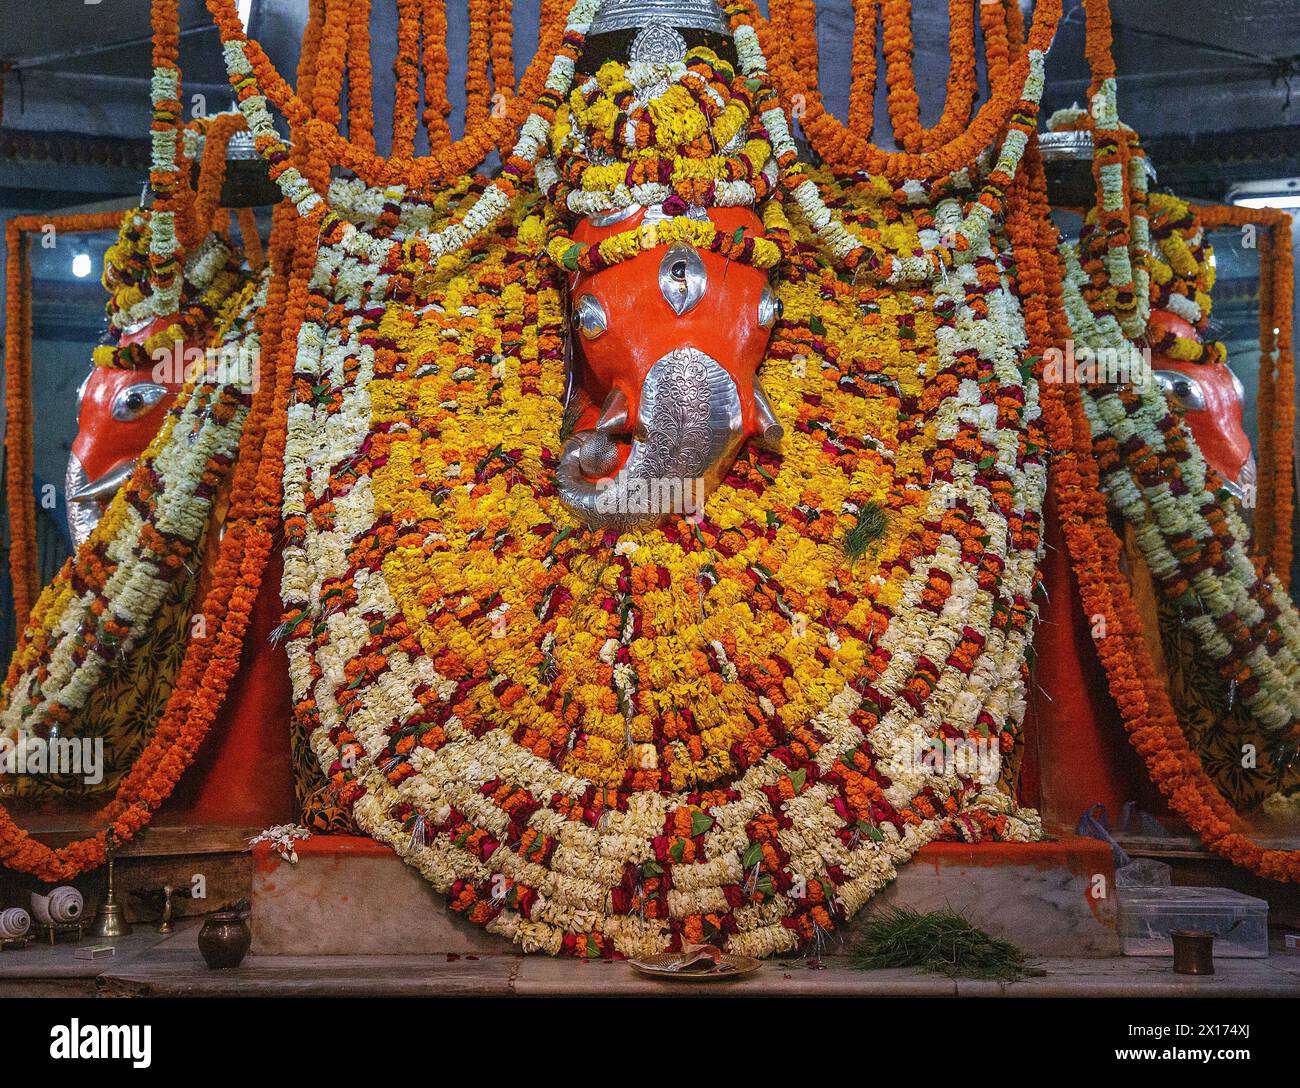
{"x":168,"y":180}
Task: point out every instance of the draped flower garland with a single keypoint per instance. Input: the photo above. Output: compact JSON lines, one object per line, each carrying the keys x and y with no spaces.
{"x":18,"y":388}
{"x":1276,"y":394}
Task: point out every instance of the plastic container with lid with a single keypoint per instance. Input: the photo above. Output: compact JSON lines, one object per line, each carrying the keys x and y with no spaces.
{"x":1148,"y":915}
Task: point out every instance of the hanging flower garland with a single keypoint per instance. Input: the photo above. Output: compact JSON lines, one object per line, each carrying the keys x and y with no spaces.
{"x":904,"y":103}
{"x":243,"y":57}
{"x":437,"y":64}
{"x":257,"y":83}
{"x":168,"y":173}
{"x":1274,"y":511}
{"x":18,"y":389}
{"x":361,"y":114}
{"x":847,"y":150}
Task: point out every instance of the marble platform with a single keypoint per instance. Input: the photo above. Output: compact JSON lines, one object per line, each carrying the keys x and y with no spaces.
{"x":353,"y":897}
{"x":150,"y":965}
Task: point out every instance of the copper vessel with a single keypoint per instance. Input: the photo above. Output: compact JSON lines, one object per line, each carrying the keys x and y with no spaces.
{"x":224,"y":939}
{"x":1193,"y":952}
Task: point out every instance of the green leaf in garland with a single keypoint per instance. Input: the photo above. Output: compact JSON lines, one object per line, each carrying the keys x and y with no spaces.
{"x":700,"y":823}
{"x":571,"y":256}
{"x":797,"y":779}
{"x":870,"y":527}
{"x":752,"y":856}
{"x":816,"y":324}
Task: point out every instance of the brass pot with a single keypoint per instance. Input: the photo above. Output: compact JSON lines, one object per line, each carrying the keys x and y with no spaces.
{"x":224,"y":940}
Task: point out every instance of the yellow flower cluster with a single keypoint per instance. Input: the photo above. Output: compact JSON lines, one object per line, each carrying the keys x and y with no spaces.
{"x":737,"y":635}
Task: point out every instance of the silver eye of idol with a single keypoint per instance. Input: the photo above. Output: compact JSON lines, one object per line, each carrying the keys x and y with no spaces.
{"x":136,"y":400}
{"x":682,"y":278}
{"x":589,"y":316}
{"x":769,"y":307}
{"x":1186,"y":391}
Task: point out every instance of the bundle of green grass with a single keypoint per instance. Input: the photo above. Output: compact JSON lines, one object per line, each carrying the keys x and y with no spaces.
{"x":941,"y":941}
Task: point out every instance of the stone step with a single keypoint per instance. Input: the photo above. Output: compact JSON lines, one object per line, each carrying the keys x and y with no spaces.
{"x":351,"y":896}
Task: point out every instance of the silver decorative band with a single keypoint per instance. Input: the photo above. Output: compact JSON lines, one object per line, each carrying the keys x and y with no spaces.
{"x":683,"y":14}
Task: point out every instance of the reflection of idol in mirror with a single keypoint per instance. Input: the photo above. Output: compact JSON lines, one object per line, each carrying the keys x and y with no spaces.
{"x":1211,"y":397}
{"x":118,"y":413}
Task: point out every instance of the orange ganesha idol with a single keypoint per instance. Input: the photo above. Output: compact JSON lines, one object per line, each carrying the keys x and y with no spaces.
{"x":660,"y":408}
{"x":661,"y":385}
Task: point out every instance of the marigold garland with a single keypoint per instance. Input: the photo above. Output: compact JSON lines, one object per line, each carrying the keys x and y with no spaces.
{"x":257,"y":83}
{"x":904,"y":103}
{"x":1275,"y":507}
{"x":1140,"y":696}
{"x":361,"y":112}
{"x":21,"y":501}
{"x":848,"y":151}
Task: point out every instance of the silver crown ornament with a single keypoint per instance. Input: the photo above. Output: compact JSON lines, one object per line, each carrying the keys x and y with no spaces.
{"x":617,"y":15}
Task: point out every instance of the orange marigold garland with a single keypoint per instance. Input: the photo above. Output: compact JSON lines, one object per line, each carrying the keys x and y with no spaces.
{"x":361,"y":112}
{"x":406,"y":72}
{"x":437,"y":106}
{"x":1275,"y":507}
{"x":847,"y":151}
{"x":900,"y":80}
{"x":1139,"y":694}
{"x":18,"y":390}
{"x":415,"y":174}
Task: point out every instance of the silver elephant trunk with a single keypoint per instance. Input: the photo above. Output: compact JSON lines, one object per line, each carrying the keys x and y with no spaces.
{"x":688,"y":428}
